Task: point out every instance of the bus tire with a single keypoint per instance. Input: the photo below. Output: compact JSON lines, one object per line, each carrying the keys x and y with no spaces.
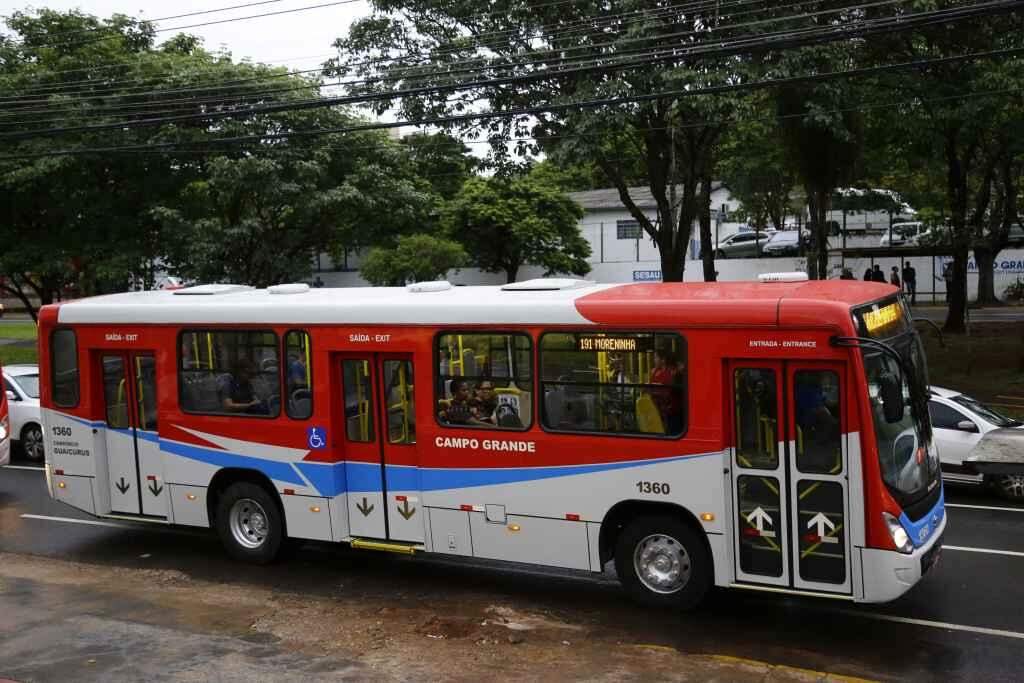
{"x":663,"y":562}
{"x":249,"y":523}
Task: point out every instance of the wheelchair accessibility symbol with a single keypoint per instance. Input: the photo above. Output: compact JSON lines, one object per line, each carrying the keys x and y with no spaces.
{"x":316,"y":437}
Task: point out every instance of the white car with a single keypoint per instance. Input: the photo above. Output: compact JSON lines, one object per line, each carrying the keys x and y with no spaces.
{"x":21,"y":382}
{"x":959,"y":422}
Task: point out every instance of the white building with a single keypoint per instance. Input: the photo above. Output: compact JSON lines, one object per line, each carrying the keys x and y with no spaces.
{"x":620,"y":252}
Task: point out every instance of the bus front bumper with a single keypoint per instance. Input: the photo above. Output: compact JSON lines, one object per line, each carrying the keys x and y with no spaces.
{"x":888,"y":574}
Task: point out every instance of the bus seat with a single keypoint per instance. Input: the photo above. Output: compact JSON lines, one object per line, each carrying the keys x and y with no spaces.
{"x":648,"y":419}
{"x":301,"y":402}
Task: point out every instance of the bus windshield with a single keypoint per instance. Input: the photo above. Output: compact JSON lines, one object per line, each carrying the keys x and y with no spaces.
{"x":909,"y":465}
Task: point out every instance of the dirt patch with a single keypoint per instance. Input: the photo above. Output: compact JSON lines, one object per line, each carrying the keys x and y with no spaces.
{"x":394,"y":638}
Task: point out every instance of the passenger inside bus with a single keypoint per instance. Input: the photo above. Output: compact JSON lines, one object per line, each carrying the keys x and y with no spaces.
{"x":480,"y":380}
{"x":459,"y":409}
{"x":817,"y":420}
{"x":239,"y":395}
{"x":669,"y":401}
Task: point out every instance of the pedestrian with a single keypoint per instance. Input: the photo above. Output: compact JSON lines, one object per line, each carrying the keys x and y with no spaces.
{"x":894,"y":278}
{"x":847,"y":274}
{"x":877,"y":275}
{"x":867,"y":274}
{"x":910,"y":281}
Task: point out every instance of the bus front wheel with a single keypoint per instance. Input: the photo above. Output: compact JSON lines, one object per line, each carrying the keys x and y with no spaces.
{"x":663,"y":562}
{"x":249,"y":523}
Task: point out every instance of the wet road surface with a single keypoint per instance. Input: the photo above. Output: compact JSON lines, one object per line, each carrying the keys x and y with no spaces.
{"x":963,"y":622}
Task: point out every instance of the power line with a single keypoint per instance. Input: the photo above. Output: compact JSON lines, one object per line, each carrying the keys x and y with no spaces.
{"x":117,"y":36}
{"x":389,"y":77}
{"x":531,"y":111}
{"x":159,"y":19}
{"x":830,"y":33}
{"x":477,"y":42}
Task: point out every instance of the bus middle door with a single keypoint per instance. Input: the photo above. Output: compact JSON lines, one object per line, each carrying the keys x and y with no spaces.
{"x":379,"y":445}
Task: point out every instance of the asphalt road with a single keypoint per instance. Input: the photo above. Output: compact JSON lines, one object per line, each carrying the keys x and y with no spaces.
{"x":963,"y":622}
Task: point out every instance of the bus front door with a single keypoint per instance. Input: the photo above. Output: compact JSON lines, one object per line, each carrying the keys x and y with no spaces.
{"x":789,"y":475}
{"x":135,"y":472}
{"x":380,"y":447}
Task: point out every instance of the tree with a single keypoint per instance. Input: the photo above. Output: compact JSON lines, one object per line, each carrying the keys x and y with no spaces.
{"x":823,"y":140}
{"x":672,"y":138}
{"x":415,"y":258}
{"x":442,"y":160}
{"x":956,"y":114}
{"x":505,"y":223}
{"x":84,"y":221}
{"x":755,"y":169}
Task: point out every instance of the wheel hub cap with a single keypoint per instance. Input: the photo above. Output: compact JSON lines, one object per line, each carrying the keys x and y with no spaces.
{"x":248,"y":521}
{"x":662,"y":564}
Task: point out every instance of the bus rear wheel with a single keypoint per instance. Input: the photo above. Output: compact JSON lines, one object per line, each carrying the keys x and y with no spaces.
{"x":663,"y":562}
{"x":249,"y":523}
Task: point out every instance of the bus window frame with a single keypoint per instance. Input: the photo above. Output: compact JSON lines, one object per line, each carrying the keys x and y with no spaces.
{"x":53,"y":369}
{"x":201,"y":330}
{"x":435,"y":375}
{"x":615,"y":435}
{"x":284,"y":373}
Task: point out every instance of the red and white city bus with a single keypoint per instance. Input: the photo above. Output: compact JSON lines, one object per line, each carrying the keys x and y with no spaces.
{"x":771,"y":435}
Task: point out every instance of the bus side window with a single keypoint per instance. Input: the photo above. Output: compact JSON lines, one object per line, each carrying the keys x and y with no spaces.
{"x":64,"y":354}
{"x":229,"y":372}
{"x":298,"y":379}
{"x":629,"y":383}
{"x":484,"y":380}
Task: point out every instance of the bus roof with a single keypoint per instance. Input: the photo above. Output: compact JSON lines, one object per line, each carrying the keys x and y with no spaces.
{"x":582,"y":303}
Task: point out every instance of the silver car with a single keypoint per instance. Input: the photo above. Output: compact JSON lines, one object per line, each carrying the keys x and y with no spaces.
{"x":742,"y":245}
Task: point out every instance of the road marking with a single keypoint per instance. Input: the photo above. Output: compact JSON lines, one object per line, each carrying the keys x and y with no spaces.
{"x":938,"y":624}
{"x":984,"y":507}
{"x":990,"y":551}
{"x":72,"y":520}
{"x":23,"y":467}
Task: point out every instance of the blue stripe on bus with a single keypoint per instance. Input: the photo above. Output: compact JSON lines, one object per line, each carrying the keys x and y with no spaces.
{"x":332,"y":479}
{"x":327,"y":478}
{"x":280,"y":471}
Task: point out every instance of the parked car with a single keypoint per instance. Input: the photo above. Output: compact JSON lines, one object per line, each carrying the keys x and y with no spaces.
{"x":909,"y":234}
{"x":742,"y":245}
{"x":21,"y":388}
{"x":5,"y":428}
{"x":783,"y":243}
{"x":960,"y":422}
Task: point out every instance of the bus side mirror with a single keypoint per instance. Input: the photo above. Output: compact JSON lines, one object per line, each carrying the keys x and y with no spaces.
{"x":892,"y":398}
{"x":11,"y":396}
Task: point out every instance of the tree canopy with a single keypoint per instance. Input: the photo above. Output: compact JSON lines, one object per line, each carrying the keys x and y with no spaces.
{"x":505,"y":223}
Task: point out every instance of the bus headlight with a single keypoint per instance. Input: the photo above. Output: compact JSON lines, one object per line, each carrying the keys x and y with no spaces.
{"x":898,"y":534}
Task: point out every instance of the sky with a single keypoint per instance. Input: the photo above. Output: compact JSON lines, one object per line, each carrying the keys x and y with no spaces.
{"x":298,"y":40}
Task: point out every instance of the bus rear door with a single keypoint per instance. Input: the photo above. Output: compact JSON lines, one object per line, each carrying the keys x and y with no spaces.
{"x":379,"y":442}
{"x":134,"y":466}
{"x":789,"y":477}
